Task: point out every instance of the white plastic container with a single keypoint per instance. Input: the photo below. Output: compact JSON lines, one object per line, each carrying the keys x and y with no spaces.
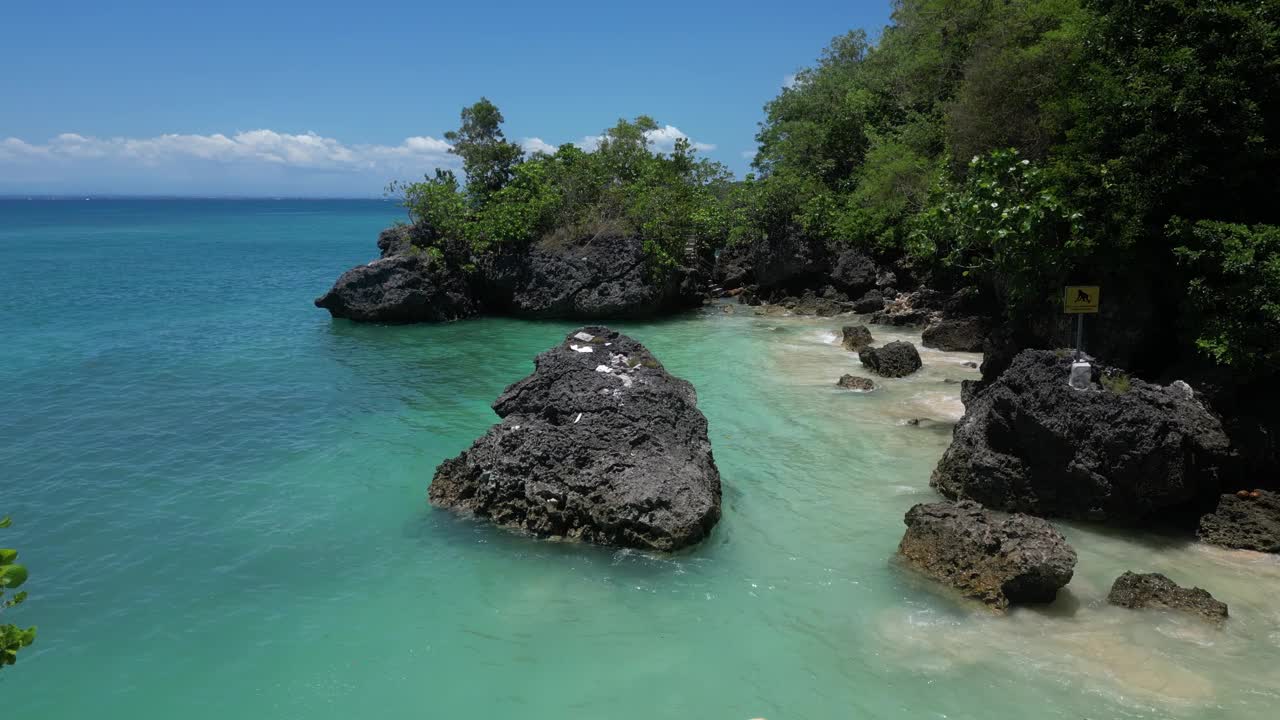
{"x":1081,"y":375}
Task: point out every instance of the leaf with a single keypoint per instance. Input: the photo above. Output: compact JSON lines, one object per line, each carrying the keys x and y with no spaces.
{"x":7,"y":555}
{"x":12,"y":576}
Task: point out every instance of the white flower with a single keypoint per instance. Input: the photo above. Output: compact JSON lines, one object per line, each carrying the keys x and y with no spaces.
{"x":1026,"y":162}
{"x":995,"y":204}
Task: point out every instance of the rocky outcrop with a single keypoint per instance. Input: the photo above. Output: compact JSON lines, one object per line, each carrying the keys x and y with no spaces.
{"x":733,"y":267}
{"x":855,"y":382}
{"x":895,"y":360}
{"x":960,"y":335}
{"x":1124,"y":453}
{"x":855,"y":337}
{"x":810,"y":304}
{"x":915,"y":309}
{"x":599,"y":444}
{"x":406,"y":288}
{"x":395,"y":240}
{"x":872,"y":302}
{"x":1153,"y":590}
{"x":854,"y":273}
{"x":789,"y":262}
{"x":1246,"y":521}
{"x":598,"y":276}
{"x":1018,"y":559}
{"x":605,"y":274}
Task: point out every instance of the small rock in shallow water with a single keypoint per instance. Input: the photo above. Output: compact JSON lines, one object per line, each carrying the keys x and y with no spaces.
{"x":895,"y":360}
{"x":1017,"y":559}
{"x":855,"y":382}
{"x":855,"y":337}
{"x":1153,"y":590}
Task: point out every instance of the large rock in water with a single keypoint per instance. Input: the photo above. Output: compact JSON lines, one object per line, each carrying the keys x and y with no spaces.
{"x":603,"y":275}
{"x":1244,"y":522}
{"x":1153,"y":590}
{"x":1018,"y":559}
{"x":599,"y":444}
{"x":404,"y":288}
{"x":895,"y":360}
{"x":1029,"y":442}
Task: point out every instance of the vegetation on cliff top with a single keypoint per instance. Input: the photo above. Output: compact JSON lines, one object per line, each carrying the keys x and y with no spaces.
{"x":1144,"y":132}
{"x":1016,"y":144}
{"x":667,"y":199}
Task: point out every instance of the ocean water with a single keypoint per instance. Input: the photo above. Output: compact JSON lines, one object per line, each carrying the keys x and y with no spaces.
{"x":221,"y":496}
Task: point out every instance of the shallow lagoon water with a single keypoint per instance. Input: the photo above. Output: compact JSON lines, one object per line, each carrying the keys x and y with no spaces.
{"x":220,"y":493}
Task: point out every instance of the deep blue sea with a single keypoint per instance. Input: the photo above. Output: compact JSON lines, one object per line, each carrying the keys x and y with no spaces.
{"x":220,"y":494}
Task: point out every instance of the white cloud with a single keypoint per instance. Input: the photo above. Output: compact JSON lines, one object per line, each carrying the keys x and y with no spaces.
{"x":307,"y":150}
{"x":662,"y":139}
{"x":536,"y":145}
{"x":253,"y":161}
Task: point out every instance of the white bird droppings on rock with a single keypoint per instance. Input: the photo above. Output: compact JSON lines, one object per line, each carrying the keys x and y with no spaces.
{"x":575,"y":420}
{"x":582,"y":348}
{"x":604,"y":369}
{"x":584,"y":337}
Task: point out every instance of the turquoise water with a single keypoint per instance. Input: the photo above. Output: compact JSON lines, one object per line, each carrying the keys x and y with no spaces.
{"x":220,"y":494}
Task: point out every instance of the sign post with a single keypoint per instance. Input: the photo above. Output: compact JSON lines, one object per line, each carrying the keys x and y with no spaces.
{"x":1081,"y":300}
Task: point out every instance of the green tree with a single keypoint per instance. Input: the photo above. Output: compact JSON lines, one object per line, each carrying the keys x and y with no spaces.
{"x":1233,"y":295}
{"x":12,"y":576}
{"x":1003,"y":225}
{"x":488,"y":160}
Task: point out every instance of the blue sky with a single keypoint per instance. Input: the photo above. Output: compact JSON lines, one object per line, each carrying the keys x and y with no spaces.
{"x":281,"y":98}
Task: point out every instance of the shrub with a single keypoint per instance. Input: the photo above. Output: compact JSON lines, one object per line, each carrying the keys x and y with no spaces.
{"x":1233,"y":294}
{"x":12,"y":576}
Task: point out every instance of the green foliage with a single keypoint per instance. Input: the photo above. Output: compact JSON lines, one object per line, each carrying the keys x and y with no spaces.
{"x":12,"y":576}
{"x":1116,"y":382}
{"x":1234,"y":290}
{"x":1125,"y":113}
{"x":1175,"y":111}
{"x":1003,"y":222}
{"x":668,"y":200}
{"x":487,"y":158}
{"x":436,"y":205}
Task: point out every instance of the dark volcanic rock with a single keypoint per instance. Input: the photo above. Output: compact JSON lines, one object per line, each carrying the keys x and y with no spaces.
{"x":855,"y":337}
{"x":599,"y":444}
{"x":908,"y":317}
{"x":963,"y":335}
{"x":895,"y":360}
{"x":1153,"y":590}
{"x":1247,"y":523}
{"x":854,"y":382}
{"x":406,"y":288}
{"x":395,"y":240}
{"x":1018,"y":559}
{"x":872,"y":302}
{"x":1029,"y":442}
{"x":854,"y":273}
{"x":811,"y":305}
{"x":733,"y":267}
{"x":602,"y":275}
{"x":911,"y":309}
{"x":789,"y":261}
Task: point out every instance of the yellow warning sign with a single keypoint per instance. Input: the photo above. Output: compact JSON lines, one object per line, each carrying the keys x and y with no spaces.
{"x":1081,"y":299}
